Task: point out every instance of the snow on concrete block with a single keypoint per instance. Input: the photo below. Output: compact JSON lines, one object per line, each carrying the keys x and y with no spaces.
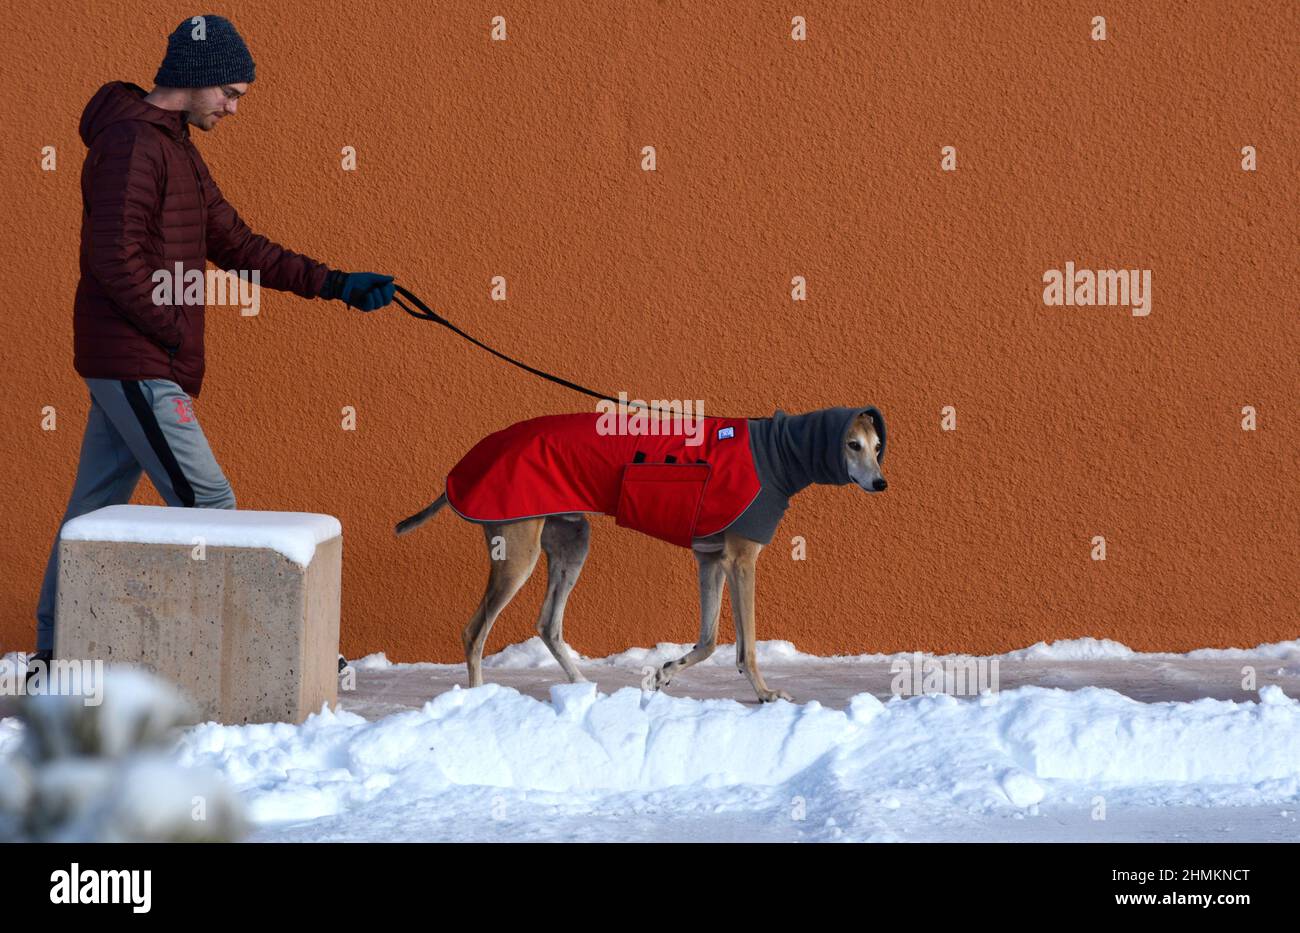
{"x":293,"y":534}
{"x":240,"y":609}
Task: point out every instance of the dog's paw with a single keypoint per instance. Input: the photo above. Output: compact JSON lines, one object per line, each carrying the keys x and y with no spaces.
{"x":771,"y":696}
{"x":662,"y":678}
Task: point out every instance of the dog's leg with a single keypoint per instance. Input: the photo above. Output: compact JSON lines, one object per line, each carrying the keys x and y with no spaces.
{"x":738,"y":560}
{"x":565,"y":542}
{"x":711,"y":581}
{"x":522,"y":541}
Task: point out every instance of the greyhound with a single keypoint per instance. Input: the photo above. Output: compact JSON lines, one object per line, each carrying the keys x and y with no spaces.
{"x":831,"y":446}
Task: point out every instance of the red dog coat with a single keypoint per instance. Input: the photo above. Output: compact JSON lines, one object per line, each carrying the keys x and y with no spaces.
{"x":657,"y":484}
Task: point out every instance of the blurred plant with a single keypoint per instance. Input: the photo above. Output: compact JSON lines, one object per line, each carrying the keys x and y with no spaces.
{"x":104,"y":773}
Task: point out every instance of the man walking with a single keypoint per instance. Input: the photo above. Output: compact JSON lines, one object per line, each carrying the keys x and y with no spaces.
{"x":149,"y":204}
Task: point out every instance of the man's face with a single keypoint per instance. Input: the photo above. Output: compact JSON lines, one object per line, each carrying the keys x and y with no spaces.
{"x":210,"y":104}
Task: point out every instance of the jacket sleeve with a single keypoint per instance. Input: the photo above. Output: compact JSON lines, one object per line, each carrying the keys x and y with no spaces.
{"x":232,"y":246}
{"x":123,"y":189}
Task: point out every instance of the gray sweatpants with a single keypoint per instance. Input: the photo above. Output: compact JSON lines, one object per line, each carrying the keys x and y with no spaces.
{"x":134,"y":426}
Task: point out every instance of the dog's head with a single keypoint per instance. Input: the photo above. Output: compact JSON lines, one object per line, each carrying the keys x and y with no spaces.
{"x":864,"y":449}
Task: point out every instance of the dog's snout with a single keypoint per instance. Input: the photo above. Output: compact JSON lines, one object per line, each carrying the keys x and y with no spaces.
{"x":879,"y":485}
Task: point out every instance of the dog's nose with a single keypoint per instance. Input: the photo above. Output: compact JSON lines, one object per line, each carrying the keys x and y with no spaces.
{"x":879,"y":485}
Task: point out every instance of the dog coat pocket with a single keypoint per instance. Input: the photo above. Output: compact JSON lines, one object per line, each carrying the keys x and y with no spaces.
{"x":662,"y":499}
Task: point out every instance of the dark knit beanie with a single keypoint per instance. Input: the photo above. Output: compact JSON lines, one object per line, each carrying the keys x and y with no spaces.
{"x":205,"y":51}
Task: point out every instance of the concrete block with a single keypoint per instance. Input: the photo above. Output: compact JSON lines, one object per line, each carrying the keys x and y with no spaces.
{"x":240,"y":609}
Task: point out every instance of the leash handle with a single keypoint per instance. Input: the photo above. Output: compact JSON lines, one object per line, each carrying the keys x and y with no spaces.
{"x":425,"y":313}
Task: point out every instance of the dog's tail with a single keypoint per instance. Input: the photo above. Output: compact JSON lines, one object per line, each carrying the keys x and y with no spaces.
{"x":419,"y":518}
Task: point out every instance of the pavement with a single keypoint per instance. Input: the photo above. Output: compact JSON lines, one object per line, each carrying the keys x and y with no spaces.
{"x":1148,"y":679}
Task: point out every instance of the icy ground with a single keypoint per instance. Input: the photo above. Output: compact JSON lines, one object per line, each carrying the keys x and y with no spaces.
{"x":1083,"y":740}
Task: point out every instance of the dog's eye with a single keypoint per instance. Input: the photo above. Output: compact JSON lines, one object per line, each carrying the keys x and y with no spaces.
{"x":854,"y":445}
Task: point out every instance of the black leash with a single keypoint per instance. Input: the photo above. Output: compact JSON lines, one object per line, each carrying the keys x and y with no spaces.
{"x":425,"y":313}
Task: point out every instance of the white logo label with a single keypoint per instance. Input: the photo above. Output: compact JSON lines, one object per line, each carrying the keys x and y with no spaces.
{"x":76,"y":886}
{"x":726,"y":432}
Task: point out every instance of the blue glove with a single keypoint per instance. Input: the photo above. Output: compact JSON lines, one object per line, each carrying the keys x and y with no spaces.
{"x":366,"y":291}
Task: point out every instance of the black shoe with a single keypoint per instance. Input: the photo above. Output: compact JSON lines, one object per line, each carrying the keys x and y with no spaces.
{"x":44,"y":656}
{"x":343,"y":664}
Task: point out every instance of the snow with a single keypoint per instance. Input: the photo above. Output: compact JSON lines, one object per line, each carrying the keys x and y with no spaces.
{"x":936,"y":757}
{"x":1031,"y":762}
{"x":1084,"y":649}
{"x":141,"y":711}
{"x":293,"y":534}
{"x":105,"y":772}
{"x":533,"y":654}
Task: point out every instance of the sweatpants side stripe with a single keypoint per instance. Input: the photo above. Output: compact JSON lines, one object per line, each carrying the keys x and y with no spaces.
{"x":153,"y":432}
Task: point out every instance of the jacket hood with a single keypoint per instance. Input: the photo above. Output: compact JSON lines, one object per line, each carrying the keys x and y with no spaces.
{"x":122,"y":100}
{"x":798,"y":450}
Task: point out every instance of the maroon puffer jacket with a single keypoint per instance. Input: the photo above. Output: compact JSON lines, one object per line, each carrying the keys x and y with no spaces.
{"x":148,"y":202}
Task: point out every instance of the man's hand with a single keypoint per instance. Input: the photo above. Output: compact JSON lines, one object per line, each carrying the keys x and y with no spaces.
{"x":366,"y":291}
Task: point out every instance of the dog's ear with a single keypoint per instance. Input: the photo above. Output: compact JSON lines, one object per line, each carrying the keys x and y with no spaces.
{"x":877,"y":422}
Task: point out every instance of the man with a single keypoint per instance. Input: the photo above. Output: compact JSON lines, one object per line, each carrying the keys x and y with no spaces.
{"x":149,"y":204}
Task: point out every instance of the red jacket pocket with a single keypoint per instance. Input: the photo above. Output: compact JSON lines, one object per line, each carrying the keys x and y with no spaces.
{"x":662,"y":499}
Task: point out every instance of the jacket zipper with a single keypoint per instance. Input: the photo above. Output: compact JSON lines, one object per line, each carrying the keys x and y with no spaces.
{"x":203,"y":239}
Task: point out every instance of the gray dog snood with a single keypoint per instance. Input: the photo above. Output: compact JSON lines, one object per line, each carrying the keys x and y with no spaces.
{"x":791,"y":452}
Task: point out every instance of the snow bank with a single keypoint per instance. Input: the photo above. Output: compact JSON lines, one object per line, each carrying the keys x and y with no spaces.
{"x":1103,"y":649}
{"x":870,"y":771}
{"x":1005,"y":751}
{"x":293,"y":534}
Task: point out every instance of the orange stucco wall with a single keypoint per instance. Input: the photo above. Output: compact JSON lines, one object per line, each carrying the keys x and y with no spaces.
{"x":775,"y":158}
